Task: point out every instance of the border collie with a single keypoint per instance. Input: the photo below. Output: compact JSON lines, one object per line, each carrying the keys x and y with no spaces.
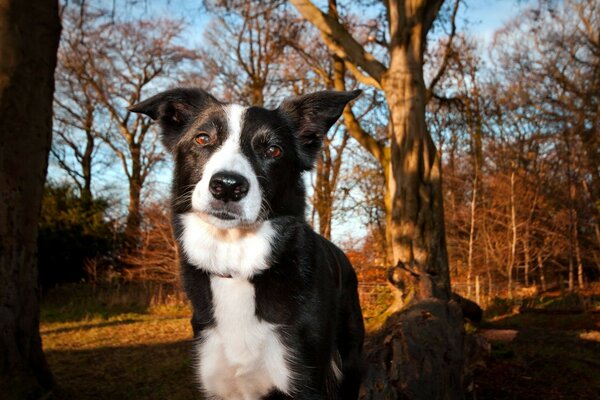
{"x":275,"y":305}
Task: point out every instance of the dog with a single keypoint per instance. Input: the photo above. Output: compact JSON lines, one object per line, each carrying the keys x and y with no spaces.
{"x":275,"y":305}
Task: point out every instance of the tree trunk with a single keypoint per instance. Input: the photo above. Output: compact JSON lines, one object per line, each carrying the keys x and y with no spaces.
{"x":417,"y":219}
{"x":134,"y":218}
{"x":471,"y":235}
{"x":86,"y":159}
{"x":580,"y":282}
{"x":542,"y":274}
{"x":29,"y":35}
{"x":513,"y":245}
{"x":527,"y":257}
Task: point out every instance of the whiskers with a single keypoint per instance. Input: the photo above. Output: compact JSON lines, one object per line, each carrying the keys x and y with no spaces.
{"x":185,"y":198}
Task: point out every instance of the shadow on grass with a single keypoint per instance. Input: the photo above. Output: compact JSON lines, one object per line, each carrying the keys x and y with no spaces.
{"x":162,"y":371}
{"x":548,"y":359}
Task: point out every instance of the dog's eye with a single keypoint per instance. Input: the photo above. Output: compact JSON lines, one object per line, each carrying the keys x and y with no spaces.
{"x":274,"y":151}
{"x":202,"y":139}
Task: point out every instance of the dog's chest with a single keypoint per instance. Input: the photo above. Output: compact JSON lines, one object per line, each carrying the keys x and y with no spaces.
{"x":240,"y":357}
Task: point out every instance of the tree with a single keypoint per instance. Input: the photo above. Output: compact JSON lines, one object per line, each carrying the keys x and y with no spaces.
{"x":249,"y":40}
{"x":76,"y":112}
{"x":549,"y":84}
{"x":414,"y":202}
{"x":29,"y":35}
{"x":412,"y":166}
{"x":124,"y":59}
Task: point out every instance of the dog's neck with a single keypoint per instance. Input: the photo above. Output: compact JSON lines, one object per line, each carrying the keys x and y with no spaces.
{"x":239,"y":253}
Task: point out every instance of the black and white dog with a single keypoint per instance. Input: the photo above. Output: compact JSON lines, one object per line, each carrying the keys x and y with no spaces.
{"x":275,"y":305}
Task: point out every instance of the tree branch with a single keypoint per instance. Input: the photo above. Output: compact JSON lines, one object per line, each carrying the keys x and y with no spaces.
{"x":356,"y":131}
{"x":445,"y":61}
{"x":339,"y":40}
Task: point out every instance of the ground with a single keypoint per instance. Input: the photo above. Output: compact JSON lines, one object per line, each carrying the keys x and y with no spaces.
{"x":101,"y":346}
{"x":542,"y":356}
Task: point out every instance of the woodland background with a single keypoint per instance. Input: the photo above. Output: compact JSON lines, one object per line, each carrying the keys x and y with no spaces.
{"x":515,"y":120}
{"x":516,"y":123}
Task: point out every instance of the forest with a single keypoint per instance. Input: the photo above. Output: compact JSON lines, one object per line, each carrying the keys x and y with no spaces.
{"x":463,"y":184}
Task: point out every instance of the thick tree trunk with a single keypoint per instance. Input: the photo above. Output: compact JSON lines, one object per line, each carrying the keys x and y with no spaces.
{"x":29,"y":35}
{"x":417,"y":219}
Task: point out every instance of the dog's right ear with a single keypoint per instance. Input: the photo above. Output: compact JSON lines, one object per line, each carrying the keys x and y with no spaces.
{"x":174,"y":110}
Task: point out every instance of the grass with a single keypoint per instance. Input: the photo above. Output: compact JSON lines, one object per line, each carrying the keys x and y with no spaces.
{"x":104,"y":343}
{"x":102,"y":348}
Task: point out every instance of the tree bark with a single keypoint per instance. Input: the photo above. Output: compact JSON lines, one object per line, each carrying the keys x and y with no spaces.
{"x":513,"y":244}
{"x":134,"y":219}
{"x":29,"y":35}
{"x":417,"y":220}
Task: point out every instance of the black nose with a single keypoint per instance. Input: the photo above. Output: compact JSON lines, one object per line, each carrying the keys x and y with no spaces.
{"x":228,"y":186}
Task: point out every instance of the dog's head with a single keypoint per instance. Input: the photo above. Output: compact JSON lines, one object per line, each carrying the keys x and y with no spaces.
{"x":237,"y":166}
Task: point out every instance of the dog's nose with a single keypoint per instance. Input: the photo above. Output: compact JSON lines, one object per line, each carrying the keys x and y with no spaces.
{"x":228,"y":186}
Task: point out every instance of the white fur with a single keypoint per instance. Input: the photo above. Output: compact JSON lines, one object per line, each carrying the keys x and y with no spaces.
{"x":230,"y":158}
{"x":241,"y":358}
{"x":238,"y":252}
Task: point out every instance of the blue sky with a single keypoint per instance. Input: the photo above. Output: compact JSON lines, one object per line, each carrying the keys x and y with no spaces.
{"x":483,"y":16}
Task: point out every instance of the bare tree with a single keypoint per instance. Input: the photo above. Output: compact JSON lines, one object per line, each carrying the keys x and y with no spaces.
{"x":29,"y":35}
{"x":245,"y":51}
{"x":76,"y":112}
{"x":124,"y":60}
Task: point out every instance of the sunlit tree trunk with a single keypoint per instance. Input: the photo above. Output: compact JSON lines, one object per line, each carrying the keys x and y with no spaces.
{"x":540,"y":263}
{"x":513,"y":243}
{"x":527,"y":256}
{"x":577,"y":246}
{"x":29,"y":35}
{"x":471,"y":235}
{"x":417,"y":220}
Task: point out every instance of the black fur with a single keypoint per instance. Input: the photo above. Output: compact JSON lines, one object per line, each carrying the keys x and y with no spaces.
{"x":310,"y":288}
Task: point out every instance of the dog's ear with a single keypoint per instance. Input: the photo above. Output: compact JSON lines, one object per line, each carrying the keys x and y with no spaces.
{"x":174,"y":110}
{"x":311,"y":117}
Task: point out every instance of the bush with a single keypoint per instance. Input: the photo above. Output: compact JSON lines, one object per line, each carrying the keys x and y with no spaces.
{"x":72,"y":232}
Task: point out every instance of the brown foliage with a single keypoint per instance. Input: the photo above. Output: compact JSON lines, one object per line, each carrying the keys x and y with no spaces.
{"x":156,"y":258}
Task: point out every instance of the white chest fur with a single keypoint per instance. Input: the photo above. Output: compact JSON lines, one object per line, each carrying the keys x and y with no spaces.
{"x":241,"y":358}
{"x":236,"y":252}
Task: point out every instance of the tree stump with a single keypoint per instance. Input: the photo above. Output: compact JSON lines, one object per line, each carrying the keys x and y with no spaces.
{"x":422,"y":353}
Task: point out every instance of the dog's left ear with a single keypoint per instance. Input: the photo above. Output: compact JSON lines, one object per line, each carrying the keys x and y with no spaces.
{"x":311,"y":116}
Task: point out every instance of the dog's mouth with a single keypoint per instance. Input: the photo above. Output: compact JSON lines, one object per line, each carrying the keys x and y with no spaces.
{"x":224,"y":215}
